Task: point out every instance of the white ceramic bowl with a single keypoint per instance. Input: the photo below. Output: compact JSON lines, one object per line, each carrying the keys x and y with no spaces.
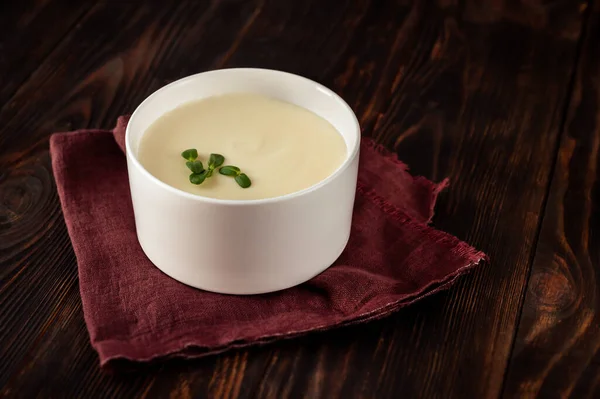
{"x":244,"y":246}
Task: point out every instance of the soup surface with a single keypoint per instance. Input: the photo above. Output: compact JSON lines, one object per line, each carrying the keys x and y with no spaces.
{"x":281,"y":147}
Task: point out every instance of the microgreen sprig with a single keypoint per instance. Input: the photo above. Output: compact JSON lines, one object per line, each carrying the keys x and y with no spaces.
{"x":199,"y":174}
{"x":214,"y":161}
{"x":240,"y":178}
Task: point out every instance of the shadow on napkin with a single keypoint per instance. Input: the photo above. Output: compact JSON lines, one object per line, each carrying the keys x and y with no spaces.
{"x":135,"y":312}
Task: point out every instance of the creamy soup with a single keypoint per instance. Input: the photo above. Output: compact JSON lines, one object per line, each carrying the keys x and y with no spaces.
{"x":281,"y":147}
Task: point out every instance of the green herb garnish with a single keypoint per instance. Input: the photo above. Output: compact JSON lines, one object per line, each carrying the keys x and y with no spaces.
{"x":241,"y":178}
{"x":199,"y":174}
{"x":229,"y":170}
{"x":215,"y":161}
{"x":198,"y":178}
{"x":243,"y":181}
{"x":190,"y":155}
{"x":195,"y":166}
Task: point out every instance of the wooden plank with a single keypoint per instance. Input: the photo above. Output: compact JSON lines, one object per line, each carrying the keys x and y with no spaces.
{"x":557,"y":349}
{"x":474,"y":91}
{"x":29,"y":31}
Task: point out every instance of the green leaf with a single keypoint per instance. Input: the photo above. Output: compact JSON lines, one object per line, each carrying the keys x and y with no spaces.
{"x":215,"y":161}
{"x":195,"y":166}
{"x":209,"y":173}
{"x":243,"y":181}
{"x":229,"y":170}
{"x":198,"y":178}
{"x":190,"y":154}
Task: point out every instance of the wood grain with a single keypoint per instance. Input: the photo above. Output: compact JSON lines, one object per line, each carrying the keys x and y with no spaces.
{"x":557,"y":349}
{"x":29,"y":31}
{"x":473,"y":90}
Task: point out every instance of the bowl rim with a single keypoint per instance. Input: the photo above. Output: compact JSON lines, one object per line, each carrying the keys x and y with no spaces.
{"x":281,"y":198}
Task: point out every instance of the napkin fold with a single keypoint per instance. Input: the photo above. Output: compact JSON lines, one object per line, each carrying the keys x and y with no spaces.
{"x":135,"y":312}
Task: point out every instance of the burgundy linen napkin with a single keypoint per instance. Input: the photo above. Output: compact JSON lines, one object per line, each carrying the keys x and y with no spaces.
{"x":133,"y":311}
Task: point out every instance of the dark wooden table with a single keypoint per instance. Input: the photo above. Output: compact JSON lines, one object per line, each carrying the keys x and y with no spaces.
{"x":501,"y":96}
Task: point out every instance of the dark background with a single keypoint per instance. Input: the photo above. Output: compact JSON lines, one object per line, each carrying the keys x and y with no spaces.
{"x":501,"y":96}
